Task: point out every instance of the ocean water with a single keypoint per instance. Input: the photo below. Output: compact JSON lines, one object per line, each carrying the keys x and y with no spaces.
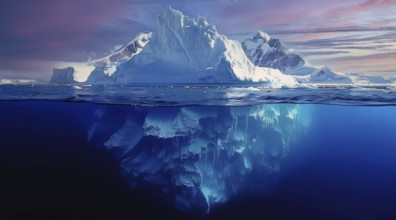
{"x":197,"y":152}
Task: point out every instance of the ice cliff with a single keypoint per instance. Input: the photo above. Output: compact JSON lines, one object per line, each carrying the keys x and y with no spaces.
{"x":65,"y":75}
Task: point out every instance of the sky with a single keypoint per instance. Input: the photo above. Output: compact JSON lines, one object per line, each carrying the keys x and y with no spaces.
{"x":357,"y":36}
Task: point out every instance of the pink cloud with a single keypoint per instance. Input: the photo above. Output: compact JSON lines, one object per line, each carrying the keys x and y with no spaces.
{"x":253,"y":14}
{"x":360,"y":7}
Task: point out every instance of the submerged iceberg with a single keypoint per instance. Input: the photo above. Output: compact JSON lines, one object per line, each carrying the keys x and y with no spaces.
{"x":199,"y":156}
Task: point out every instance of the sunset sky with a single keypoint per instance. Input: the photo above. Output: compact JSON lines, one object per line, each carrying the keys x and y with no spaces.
{"x":346,"y":35}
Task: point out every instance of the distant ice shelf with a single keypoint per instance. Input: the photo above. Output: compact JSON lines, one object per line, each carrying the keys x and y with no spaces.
{"x":17,"y":81}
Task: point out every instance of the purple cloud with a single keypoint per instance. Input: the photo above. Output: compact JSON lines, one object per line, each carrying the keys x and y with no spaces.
{"x":60,"y":27}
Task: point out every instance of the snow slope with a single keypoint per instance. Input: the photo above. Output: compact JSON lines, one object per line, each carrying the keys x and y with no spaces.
{"x":100,"y":69}
{"x":105,"y":67}
{"x":125,"y":53}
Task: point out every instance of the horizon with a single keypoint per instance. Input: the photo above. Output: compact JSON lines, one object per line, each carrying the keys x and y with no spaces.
{"x":355,"y":36}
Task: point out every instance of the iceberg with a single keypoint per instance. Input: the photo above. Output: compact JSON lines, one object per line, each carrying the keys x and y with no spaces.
{"x":182,"y":50}
{"x":188,"y":50}
{"x":185,"y":50}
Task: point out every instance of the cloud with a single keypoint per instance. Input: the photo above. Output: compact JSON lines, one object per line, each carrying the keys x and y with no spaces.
{"x":19,"y":52}
{"x":372,"y":64}
{"x":58,"y":27}
{"x":352,"y":42}
{"x":305,"y":14}
{"x":321,"y":53}
{"x":364,"y":58}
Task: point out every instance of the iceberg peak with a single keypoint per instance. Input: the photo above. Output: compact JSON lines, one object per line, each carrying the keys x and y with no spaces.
{"x":263,"y":35}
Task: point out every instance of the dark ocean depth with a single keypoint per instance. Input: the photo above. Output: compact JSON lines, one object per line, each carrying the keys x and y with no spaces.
{"x":343,"y":166}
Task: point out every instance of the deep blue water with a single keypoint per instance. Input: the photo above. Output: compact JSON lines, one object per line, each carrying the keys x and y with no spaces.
{"x":343,"y":169}
{"x":340,"y":165}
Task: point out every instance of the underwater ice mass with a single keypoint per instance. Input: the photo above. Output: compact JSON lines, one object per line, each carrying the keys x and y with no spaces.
{"x":200,"y":155}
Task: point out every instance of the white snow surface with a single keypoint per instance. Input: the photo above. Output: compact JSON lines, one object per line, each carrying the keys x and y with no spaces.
{"x":123,"y":54}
